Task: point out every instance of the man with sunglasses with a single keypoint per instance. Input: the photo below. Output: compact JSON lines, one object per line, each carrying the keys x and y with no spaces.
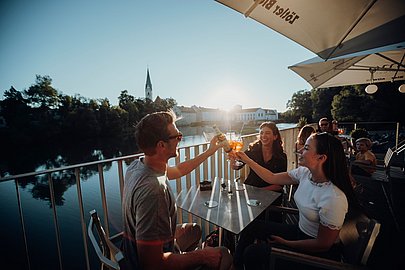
{"x":152,"y":237}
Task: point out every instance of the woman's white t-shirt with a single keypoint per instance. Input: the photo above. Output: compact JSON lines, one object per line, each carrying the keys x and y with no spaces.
{"x":318,"y":203}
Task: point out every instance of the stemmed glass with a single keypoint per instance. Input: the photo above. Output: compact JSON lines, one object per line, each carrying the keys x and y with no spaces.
{"x":236,"y":143}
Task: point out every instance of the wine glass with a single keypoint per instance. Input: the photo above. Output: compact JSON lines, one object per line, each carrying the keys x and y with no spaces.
{"x":236,"y":142}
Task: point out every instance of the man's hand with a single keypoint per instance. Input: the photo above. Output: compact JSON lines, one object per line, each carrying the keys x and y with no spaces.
{"x":214,"y":145}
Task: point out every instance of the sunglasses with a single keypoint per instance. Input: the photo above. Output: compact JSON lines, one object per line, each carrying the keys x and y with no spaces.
{"x":178,"y":137}
{"x":324,"y":125}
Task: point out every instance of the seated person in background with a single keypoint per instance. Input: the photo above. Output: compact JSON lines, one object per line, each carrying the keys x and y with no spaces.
{"x":302,"y":137}
{"x":335,"y":128}
{"x":323,"y":125}
{"x":366,"y":162}
{"x":347,"y":146}
{"x":324,"y":196}
{"x":268,"y":152}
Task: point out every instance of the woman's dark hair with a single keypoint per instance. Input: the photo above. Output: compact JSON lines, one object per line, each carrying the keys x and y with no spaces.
{"x":335,"y":167}
{"x":278,"y":149}
{"x":304,"y":133}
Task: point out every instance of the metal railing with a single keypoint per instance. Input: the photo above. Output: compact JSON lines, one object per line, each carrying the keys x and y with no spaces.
{"x":216,"y":165}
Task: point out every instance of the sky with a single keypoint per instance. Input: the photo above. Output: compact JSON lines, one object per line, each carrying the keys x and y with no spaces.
{"x":198,"y":52}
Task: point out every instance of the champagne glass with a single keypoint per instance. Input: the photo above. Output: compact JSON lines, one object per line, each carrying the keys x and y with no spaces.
{"x":236,"y":143}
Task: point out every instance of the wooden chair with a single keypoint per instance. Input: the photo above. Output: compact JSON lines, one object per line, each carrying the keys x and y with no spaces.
{"x":109,"y":255}
{"x":357,"y":237}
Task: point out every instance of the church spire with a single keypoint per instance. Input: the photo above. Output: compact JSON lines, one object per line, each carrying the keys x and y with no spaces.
{"x":148,"y":86}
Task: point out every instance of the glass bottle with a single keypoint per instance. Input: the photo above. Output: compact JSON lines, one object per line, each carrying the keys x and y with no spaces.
{"x":222,"y":139}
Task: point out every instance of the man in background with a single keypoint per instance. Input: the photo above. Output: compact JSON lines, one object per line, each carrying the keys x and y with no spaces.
{"x":323,"y":125}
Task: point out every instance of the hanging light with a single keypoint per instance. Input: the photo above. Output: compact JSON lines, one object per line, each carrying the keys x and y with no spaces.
{"x":371,"y":88}
{"x":401,"y":88}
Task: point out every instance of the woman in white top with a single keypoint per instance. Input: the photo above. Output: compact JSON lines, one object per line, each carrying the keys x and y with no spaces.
{"x":323,"y":197}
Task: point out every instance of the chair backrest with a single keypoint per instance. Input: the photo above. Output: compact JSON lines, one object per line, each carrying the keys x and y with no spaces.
{"x":110,"y":256}
{"x":358,"y":235}
{"x":388,"y":157}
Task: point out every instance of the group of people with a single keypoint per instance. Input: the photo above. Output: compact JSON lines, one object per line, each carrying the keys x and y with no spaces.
{"x":365,"y":161}
{"x":154,"y":240}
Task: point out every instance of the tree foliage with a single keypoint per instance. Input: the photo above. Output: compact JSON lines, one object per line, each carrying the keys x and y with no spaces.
{"x":348,"y":103}
{"x":299,"y":106}
{"x":42,"y":115}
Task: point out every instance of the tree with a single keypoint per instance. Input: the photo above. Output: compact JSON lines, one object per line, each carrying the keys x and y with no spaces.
{"x":125,"y":99}
{"x":350,"y":105}
{"x":299,"y":106}
{"x":14,"y":108}
{"x":322,"y":102}
{"x":42,"y":94}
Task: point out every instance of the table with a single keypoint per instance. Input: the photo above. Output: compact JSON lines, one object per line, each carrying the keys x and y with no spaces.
{"x":233,"y":212}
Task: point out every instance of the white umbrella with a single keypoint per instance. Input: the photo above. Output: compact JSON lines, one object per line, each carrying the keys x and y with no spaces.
{"x":380,"y":65}
{"x":330,"y":28}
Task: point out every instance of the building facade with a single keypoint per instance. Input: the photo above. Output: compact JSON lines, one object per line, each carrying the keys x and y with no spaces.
{"x":200,"y":115}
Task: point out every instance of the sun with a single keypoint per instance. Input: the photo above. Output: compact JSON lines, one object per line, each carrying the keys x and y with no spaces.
{"x":226,"y":97}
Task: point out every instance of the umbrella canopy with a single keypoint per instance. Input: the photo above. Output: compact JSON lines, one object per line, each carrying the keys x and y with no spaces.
{"x":381,"y":65}
{"x":330,"y":28}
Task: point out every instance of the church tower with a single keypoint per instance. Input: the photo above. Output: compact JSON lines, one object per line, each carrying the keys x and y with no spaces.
{"x":148,"y":87}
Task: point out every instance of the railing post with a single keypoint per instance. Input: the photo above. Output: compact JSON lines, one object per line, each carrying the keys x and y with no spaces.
{"x":397,"y":136}
{"x":103,"y":199}
{"x":121,"y":178}
{"x":55,"y":219}
{"x":82,"y":219}
{"x":22,"y":223}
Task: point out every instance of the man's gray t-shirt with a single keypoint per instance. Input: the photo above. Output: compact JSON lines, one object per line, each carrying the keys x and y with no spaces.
{"x":149,"y":210}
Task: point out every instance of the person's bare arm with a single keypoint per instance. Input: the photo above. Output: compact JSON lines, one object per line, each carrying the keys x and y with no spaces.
{"x":272,"y":178}
{"x":187,"y":166}
{"x":325,"y":239}
{"x":363,"y":161}
{"x":273,"y":187}
{"x":151,"y":257}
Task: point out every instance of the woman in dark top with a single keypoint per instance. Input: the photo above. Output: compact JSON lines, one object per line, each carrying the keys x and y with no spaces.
{"x":269,"y":153}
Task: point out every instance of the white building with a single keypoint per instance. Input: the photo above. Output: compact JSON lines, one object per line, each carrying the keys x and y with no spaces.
{"x":201,"y":115}
{"x":255,"y":114}
{"x":188,"y":115}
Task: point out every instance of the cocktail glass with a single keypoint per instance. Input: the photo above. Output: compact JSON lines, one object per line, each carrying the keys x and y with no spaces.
{"x":236,"y":142}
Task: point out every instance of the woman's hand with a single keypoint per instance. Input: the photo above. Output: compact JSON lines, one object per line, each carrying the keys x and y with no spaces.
{"x":242,"y":156}
{"x":274,"y":239}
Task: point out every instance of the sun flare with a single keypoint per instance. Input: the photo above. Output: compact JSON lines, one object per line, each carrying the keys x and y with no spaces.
{"x":226,"y":97}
